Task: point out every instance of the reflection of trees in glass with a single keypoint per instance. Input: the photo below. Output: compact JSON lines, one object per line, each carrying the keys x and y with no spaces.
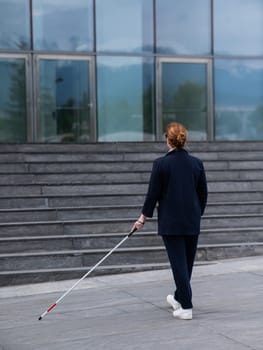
{"x":228,"y":123}
{"x":22,"y":44}
{"x":47,"y":114}
{"x":15,"y":42}
{"x":233,"y":123}
{"x":73,"y":120}
{"x":15,"y":125}
{"x":256,"y":121}
{"x":189,"y":106}
{"x":125,"y":101}
{"x":148,"y":99}
{"x":66,"y":125}
{"x":148,"y":110}
{"x":190,"y":96}
{"x":64,"y":109}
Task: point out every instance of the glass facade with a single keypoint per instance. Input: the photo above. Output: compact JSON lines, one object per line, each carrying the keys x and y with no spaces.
{"x":125,"y":110}
{"x":183,"y":27}
{"x":15,"y":25}
{"x":124,"y":26}
{"x":238,"y":27}
{"x":13,"y":109}
{"x":120,"y":70}
{"x":62,"y":25}
{"x":184,"y":97}
{"x":239,"y":99}
{"x":64,"y":101}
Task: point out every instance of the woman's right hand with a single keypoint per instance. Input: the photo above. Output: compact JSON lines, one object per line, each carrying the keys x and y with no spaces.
{"x":139,"y":223}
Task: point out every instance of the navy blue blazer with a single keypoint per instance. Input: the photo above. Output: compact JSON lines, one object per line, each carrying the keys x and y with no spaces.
{"x":178,"y":185}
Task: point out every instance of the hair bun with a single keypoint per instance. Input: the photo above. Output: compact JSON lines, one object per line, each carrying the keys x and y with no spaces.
{"x":177,"y":135}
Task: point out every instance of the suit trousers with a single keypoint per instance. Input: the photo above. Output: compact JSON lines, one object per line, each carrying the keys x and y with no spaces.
{"x":181,"y":251}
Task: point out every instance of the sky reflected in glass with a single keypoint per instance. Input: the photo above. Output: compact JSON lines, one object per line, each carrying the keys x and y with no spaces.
{"x":63,"y":25}
{"x":238,"y":27}
{"x":183,"y":27}
{"x":124,"y":25}
{"x":14,"y":24}
{"x":239,"y":99}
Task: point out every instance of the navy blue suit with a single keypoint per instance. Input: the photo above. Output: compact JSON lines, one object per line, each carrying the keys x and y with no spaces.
{"x":178,"y":185}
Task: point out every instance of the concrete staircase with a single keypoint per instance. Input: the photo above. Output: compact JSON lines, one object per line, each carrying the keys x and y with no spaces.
{"x":63,"y":207}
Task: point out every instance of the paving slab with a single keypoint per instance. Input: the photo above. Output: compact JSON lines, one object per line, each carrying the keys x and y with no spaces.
{"x":130,"y":312}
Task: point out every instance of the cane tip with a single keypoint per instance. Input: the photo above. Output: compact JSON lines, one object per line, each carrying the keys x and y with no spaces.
{"x":40,"y":318}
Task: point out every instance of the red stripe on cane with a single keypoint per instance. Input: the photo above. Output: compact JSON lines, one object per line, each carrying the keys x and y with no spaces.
{"x":51,"y":307}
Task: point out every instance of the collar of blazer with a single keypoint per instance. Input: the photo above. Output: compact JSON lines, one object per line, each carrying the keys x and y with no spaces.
{"x":175,"y":150}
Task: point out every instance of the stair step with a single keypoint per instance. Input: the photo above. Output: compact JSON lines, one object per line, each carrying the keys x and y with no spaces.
{"x":114,"y":188}
{"x":44,"y":228}
{"x":228,"y":165}
{"x":43,"y":275}
{"x":232,"y":220}
{"x":225,"y":196}
{"x":123,"y":167}
{"x":74,"y":179}
{"x":71,"y":201}
{"x":249,"y":207}
{"x":91,"y":189}
{"x":114,"y":225}
{"x":111,"y":211}
{"x":134,"y":176}
{"x":71,"y":213}
{"x":238,"y":186}
{"x":108,"y":147}
{"x":76,"y":258}
{"x":122,"y":256}
{"x":132,"y":154}
{"x":229,"y":251}
{"x":75,"y":242}
{"x":90,"y":167}
{"x":229,"y":155}
{"x":55,"y":201}
{"x":231,"y":235}
{"x":109,"y":240}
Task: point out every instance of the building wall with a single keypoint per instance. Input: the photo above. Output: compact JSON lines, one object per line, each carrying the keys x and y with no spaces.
{"x":120,"y":70}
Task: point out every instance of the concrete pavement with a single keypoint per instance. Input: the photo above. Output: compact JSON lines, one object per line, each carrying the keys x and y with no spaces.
{"x":129,"y":311}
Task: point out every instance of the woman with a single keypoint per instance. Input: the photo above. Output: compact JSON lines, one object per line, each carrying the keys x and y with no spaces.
{"x":178,"y":185}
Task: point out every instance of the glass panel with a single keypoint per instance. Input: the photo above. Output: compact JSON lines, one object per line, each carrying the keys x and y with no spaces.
{"x":63,"y":25}
{"x":14,"y":24}
{"x":12,"y":100}
{"x":238,"y":27}
{"x":183,"y":27}
{"x":239,"y":99}
{"x":184,"y":97}
{"x":124,"y":25}
{"x":64,"y":107}
{"x":125,"y":99}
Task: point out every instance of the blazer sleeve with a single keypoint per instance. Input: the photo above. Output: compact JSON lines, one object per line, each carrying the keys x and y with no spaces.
{"x":154,"y":190}
{"x":202,"y":189}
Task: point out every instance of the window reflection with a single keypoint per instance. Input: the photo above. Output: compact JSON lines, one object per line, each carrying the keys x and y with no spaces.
{"x":63,"y":25}
{"x":14,"y":24}
{"x":183,"y":27}
{"x":239,"y":99}
{"x":184,"y":97}
{"x":12,"y":100}
{"x":124,"y":25}
{"x":125,"y":99}
{"x":64,"y":101}
{"x":238,"y":27}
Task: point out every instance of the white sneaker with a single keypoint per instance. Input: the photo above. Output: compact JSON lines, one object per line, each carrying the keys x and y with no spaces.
{"x":183,"y":314}
{"x":174,"y":303}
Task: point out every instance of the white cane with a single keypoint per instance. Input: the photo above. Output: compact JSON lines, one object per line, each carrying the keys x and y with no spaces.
{"x":51,"y":307}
